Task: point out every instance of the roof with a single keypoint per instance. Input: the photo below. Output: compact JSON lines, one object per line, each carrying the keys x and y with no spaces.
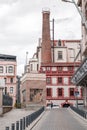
{"x":7,"y":57}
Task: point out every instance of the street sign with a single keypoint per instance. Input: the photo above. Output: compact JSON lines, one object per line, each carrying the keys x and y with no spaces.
{"x":76,"y":93}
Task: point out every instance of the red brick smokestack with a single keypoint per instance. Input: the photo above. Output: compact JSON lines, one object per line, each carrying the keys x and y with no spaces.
{"x":46,"y":42}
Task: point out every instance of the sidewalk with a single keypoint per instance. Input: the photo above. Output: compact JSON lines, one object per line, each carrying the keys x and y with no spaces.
{"x":13,"y":116}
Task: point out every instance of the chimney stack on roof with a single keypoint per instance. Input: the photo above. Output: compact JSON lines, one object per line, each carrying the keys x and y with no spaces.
{"x":46,"y":41}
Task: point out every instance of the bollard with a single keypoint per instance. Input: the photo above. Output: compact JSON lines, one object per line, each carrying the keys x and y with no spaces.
{"x":23,"y":123}
{"x":21,"y":128}
{"x":29,"y":120}
{"x":26,"y":121}
{"x":7,"y":128}
{"x":86,"y":115}
{"x":17,"y":125}
{"x":13,"y":126}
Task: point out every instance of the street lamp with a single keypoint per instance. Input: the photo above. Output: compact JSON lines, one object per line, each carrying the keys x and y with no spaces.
{"x":82,"y":17}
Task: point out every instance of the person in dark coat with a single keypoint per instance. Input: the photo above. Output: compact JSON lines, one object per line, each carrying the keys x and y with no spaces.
{"x":51,"y":105}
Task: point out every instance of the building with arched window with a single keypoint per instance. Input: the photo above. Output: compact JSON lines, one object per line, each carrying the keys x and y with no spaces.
{"x":8,"y":65}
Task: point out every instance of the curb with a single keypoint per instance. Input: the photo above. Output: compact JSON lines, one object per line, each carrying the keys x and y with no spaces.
{"x":77,"y":115}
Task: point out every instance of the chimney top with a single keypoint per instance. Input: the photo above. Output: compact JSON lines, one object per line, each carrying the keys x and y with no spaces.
{"x":45,"y":10}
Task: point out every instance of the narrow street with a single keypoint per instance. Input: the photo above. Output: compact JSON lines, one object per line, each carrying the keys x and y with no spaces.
{"x":60,"y":119}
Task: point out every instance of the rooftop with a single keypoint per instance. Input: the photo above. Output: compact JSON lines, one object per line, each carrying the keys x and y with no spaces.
{"x":7,"y":57}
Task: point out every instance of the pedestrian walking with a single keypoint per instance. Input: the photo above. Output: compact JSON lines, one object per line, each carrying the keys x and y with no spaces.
{"x":51,"y":105}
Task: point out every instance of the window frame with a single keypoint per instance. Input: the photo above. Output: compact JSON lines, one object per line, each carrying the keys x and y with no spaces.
{"x":48,"y":80}
{"x":49,"y":92}
{"x":60,"y":55}
{"x":1,"y":69}
{"x":70,"y":92}
{"x":60,"y":92}
{"x":11,"y":90}
{"x":10,"y":69}
{"x":61,"y":80}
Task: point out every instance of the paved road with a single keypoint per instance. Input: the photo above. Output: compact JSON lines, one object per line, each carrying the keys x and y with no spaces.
{"x":60,"y":119}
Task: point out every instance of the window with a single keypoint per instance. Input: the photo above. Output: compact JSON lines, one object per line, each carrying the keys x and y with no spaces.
{"x":49,"y":92}
{"x":11,"y":90}
{"x":10,"y":69}
{"x":59,"y":43}
{"x":59,"y":68}
{"x":71,"y":91}
{"x":60,"y":92}
{"x":11,"y":80}
{"x":60,"y":55}
{"x":48,"y":80}
{"x":70,"y":68}
{"x":48,"y":68}
{"x":1,"y":69}
{"x":60,"y":80}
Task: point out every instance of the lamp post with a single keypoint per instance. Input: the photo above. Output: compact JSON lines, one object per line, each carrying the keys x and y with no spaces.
{"x":81,"y":14}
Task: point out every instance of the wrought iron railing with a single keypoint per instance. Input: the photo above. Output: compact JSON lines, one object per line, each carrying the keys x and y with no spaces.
{"x":7,"y":100}
{"x":79,"y":111}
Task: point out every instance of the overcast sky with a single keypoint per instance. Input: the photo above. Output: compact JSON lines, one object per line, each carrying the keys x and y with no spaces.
{"x":21,"y":25}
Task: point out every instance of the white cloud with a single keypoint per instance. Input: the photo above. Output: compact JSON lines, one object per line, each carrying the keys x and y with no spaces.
{"x":21,"y":25}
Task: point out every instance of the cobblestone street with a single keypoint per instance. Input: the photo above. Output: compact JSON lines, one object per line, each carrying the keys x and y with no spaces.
{"x":60,"y":119}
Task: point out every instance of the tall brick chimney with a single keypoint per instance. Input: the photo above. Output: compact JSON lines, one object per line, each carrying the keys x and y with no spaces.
{"x":46,"y":42}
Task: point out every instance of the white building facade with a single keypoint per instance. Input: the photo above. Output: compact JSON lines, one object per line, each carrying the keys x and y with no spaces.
{"x":8,"y":70}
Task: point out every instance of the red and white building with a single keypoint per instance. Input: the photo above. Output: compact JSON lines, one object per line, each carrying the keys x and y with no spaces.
{"x":54,"y":60}
{"x":8,"y":67}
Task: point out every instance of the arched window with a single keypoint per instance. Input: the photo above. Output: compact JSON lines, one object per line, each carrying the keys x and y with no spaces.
{"x":1,"y":69}
{"x":10,"y":69}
